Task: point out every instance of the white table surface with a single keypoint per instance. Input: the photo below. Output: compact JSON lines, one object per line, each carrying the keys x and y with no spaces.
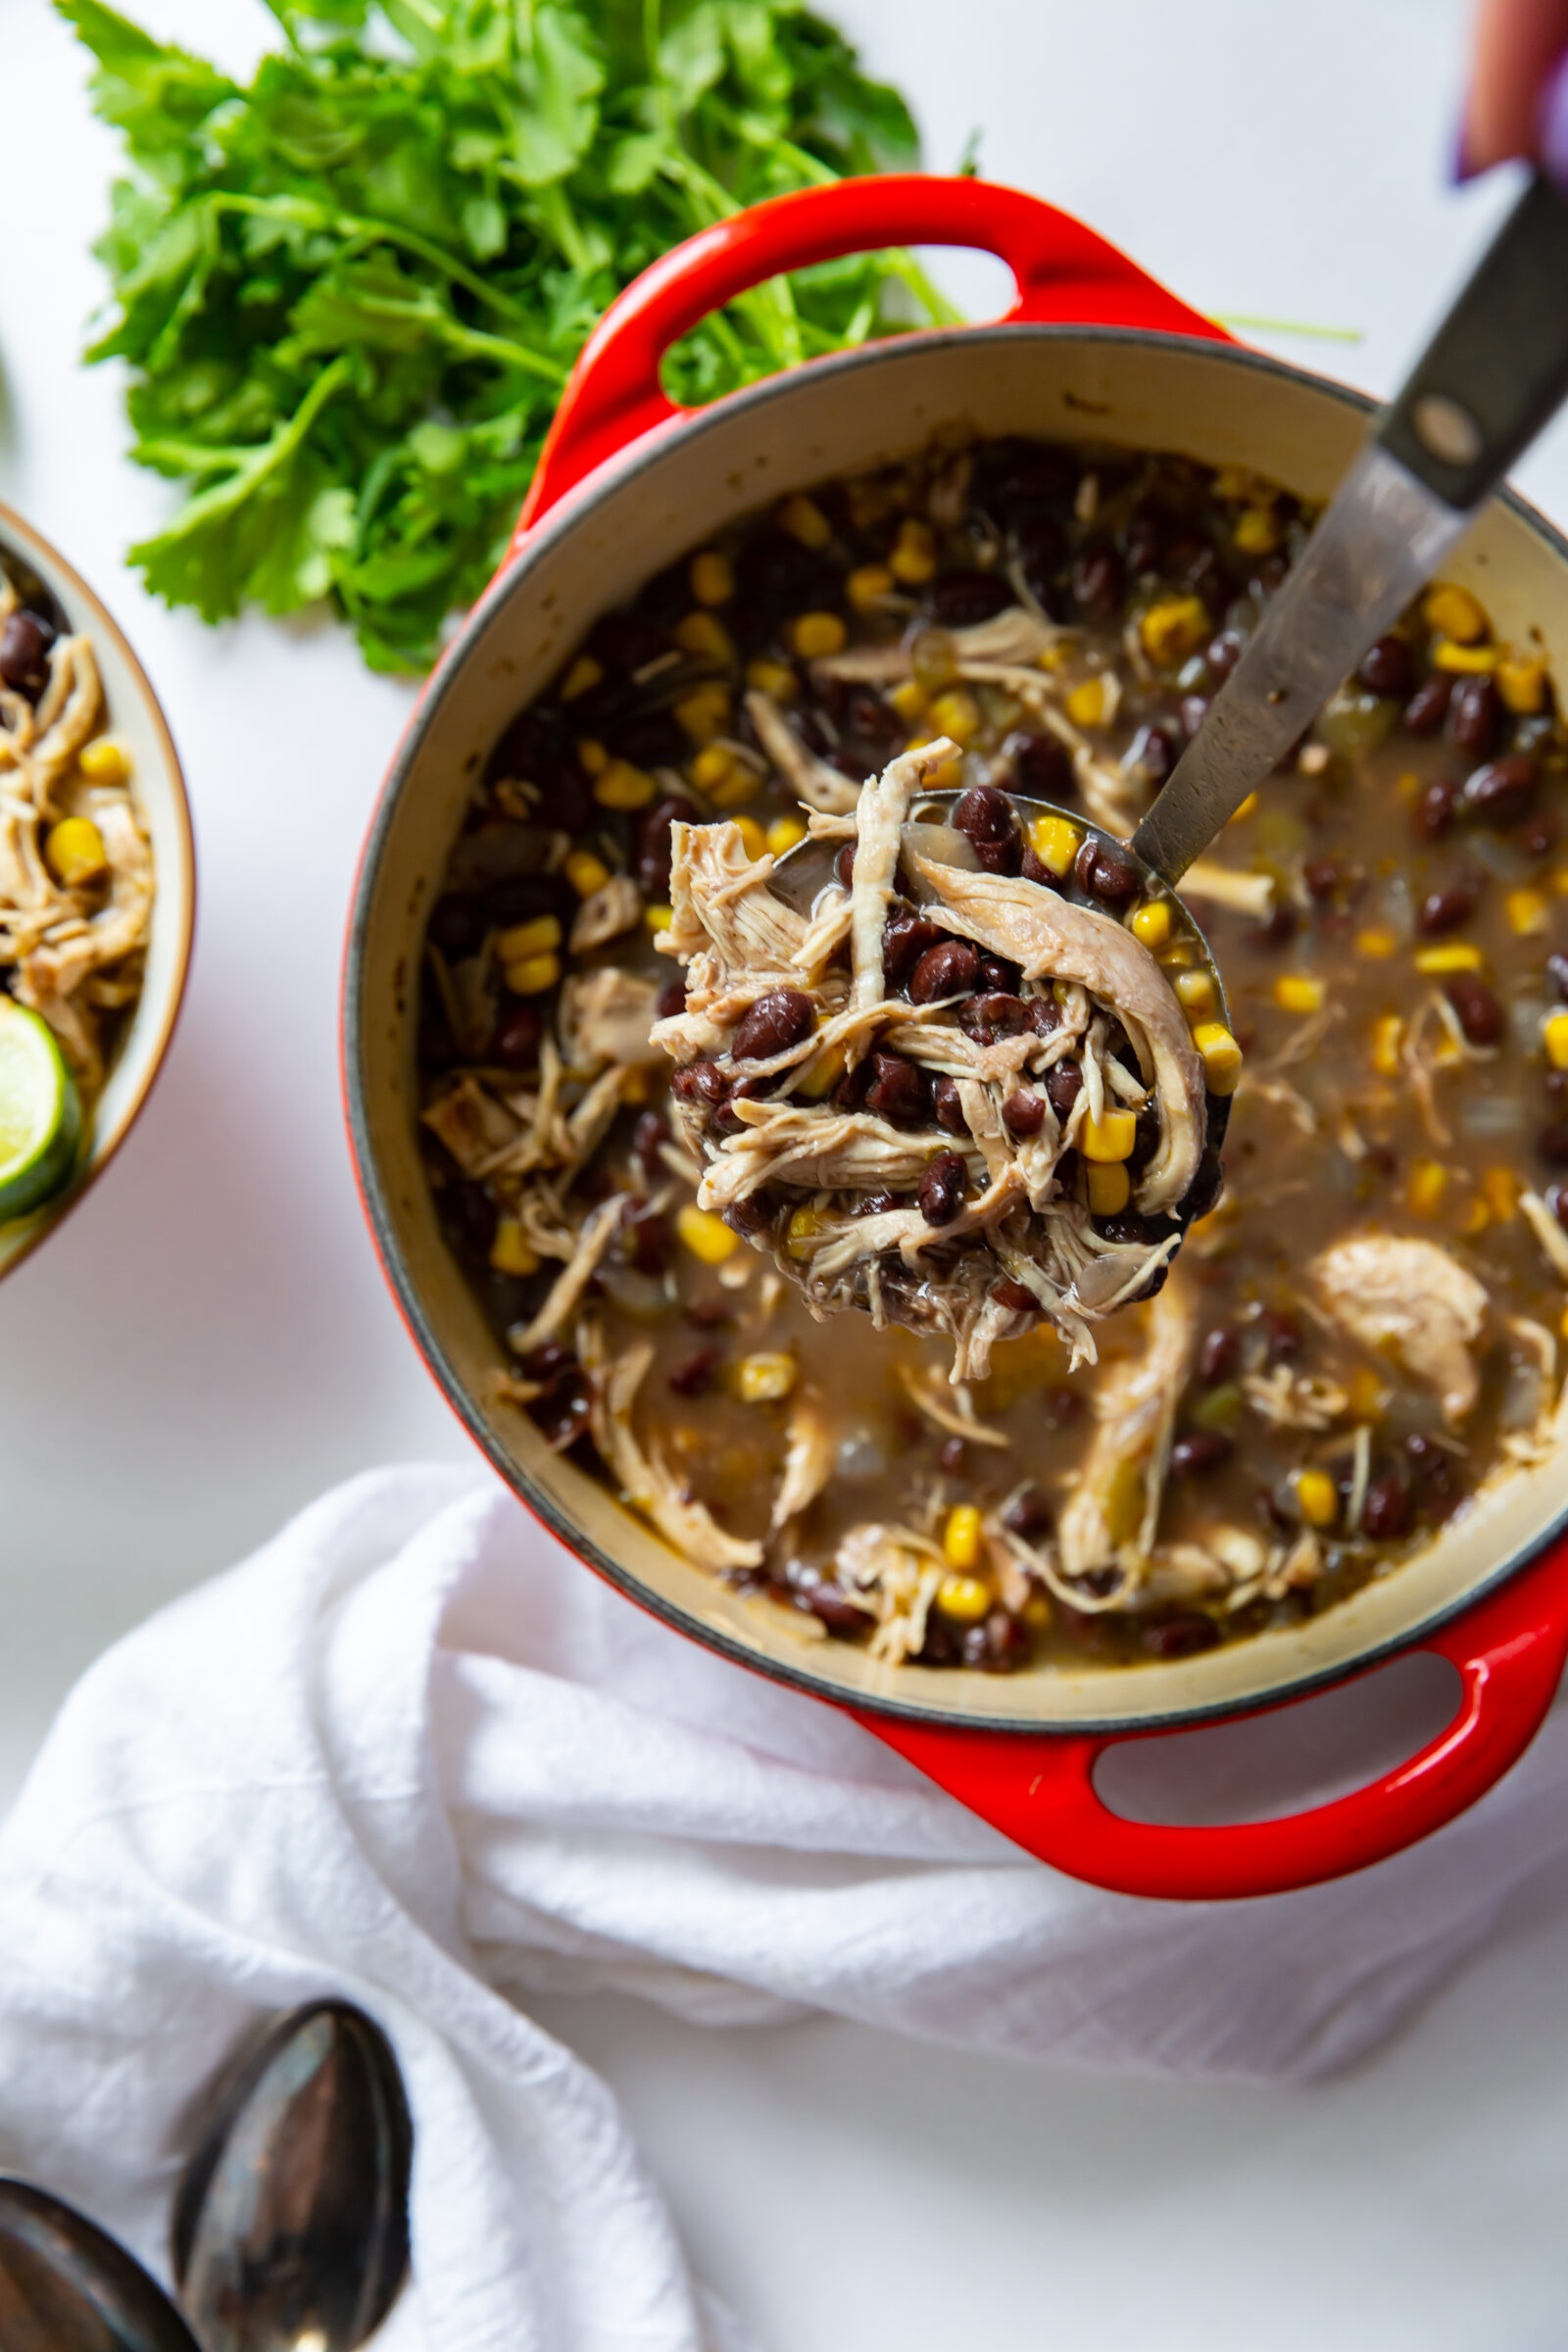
{"x":211,"y":1343}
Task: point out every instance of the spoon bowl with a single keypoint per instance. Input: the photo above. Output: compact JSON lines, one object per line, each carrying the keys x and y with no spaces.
{"x":67,"y":2286}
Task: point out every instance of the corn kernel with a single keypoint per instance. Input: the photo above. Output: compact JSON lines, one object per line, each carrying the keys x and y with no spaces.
{"x":1454,"y":956}
{"x":705,"y":637}
{"x":771,"y":677}
{"x":1085,"y":704}
{"x":1124,"y":1499}
{"x":1247,"y":808}
{"x":1178,"y":953}
{"x":704,"y":713}
{"x":1054,"y":842}
{"x":1476,"y":1217}
{"x":584,"y":673}
{"x":1257,"y":531}
{"x":961,"y":1538}
{"x":74,"y":851}
{"x":712,"y":578}
{"x":707,"y":1237}
{"x":1429,"y":1181}
{"x":104,"y":762}
{"x":822,"y":1073}
{"x":593,"y":756}
{"x":1369,"y":1398}
{"x":1110,"y":1187}
{"x":803,"y":1226}
{"x":1318,"y":1497}
{"x":1408,"y":785}
{"x":1388,"y":1035}
{"x":620,"y":785}
{"x":740,"y":785}
{"x":531,"y":975}
{"x":713,"y":765}
{"x":816,"y":635}
{"x":914,"y":555}
{"x":1554,"y":1037}
{"x":509,"y":1252}
{"x":910,"y":701}
{"x":783,"y":834}
{"x":1465,"y":660}
{"x":1199,"y":996}
{"x":1455,"y":611}
{"x":533,"y":938}
{"x":866,"y":586}
{"x":1221,"y":1057}
{"x":586,"y":873}
{"x":1110,"y":1137}
{"x":1175,"y":628}
{"x":764,"y":1379}
{"x":1500,"y":1189}
{"x":1036,"y":1612}
{"x":956,"y":713}
{"x":753,"y":839}
{"x":1521,"y":684}
{"x":1526,"y":912}
{"x":1378,"y":945}
{"x":658,"y":917}
{"x":1299,"y":992}
{"x":805,"y":521}
{"x":1151,"y":923}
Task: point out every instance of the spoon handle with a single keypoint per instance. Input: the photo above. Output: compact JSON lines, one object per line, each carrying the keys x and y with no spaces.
{"x":1492,"y":374}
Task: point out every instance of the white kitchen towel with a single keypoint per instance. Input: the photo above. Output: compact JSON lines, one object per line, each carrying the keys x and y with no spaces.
{"x":412,"y":1753}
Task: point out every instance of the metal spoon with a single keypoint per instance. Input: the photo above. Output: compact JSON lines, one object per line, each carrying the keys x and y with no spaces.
{"x":290,"y":2223}
{"x":66,"y":2286}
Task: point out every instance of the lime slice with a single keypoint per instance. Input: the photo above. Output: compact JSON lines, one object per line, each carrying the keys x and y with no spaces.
{"x":40,"y":1112}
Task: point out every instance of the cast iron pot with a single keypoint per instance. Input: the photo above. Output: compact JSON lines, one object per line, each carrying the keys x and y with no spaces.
{"x":626,"y":484}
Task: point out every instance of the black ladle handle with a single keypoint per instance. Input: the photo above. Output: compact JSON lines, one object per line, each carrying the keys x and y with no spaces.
{"x":1498,"y":367}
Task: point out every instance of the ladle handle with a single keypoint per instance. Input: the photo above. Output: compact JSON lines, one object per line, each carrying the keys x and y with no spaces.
{"x":1498,"y":367}
{"x":1063,"y":270}
{"x":1509,"y":1649}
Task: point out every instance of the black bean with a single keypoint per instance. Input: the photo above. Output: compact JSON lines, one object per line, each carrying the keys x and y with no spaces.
{"x":648,"y":1240}
{"x":1435,"y":806}
{"x":1181,"y":1637}
{"x":700,"y":1082}
{"x":1153,"y":750}
{"x":1045,"y":1014}
{"x":469,"y":1207}
{"x":999,"y":1644}
{"x":996,"y":974}
{"x":1193,"y":712}
{"x":1029,"y":1514}
{"x":905,"y":936}
{"x":1538,"y":834}
{"x":1199,"y":1452}
{"x":941,"y":1188}
{"x":1223,"y":653}
{"x":878,"y":1205}
{"x":960,"y":600}
{"x":1475,"y":717}
{"x":1097,"y":583}
{"x":843,"y":864}
{"x":993,"y":1015}
{"x":1023,"y":1113}
{"x":744,"y":1090}
{"x":1282,"y":1334}
{"x":1000,"y":857}
{"x":1479,"y":1013}
{"x":1035,"y":869}
{"x":1428,"y":707}
{"x":1017,"y":1297}
{"x":1386,"y":667}
{"x":900,"y":1091}
{"x":522,"y":897}
{"x":949,"y":969}
{"x":651,"y":1131}
{"x":1204,"y":1193}
{"x":627,"y":641}
{"x":1106,"y":877}
{"x":1446,"y":910}
{"x":1277,"y":928}
{"x":1219,"y":1354}
{"x":24,"y":643}
{"x":1429,"y":1460}
{"x":982,"y":814}
{"x":782,"y":1018}
{"x":947,"y":1107}
{"x":841,"y":1615}
{"x":1192,"y":562}
{"x":1041,"y":766}
{"x":1558,"y":974}
{"x":652,"y":739}
{"x":1128,"y":1226}
{"x":1552,"y":1143}
{"x":651,"y":862}
{"x":457,"y":925}
{"x":562,"y":1416}
{"x":1322,"y":876}
{"x":1042,"y":554}
{"x":1501,"y":792}
{"x":1063,"y":1081}
{"x":849,"y":1091}
{"x":1386,"y":1511}
{"x":516,"y":1043}
{"x":671,"y":999}
{"x":775,"y":571}
{"x":693,"y":1376}
{"x":550,"y":1361}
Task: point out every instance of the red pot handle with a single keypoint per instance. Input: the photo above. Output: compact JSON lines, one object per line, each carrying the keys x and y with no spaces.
{"x":1509,"y":1649}
{"x":1063,"y":270}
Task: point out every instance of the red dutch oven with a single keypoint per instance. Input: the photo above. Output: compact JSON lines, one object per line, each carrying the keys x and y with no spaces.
{"x":628,"y":483}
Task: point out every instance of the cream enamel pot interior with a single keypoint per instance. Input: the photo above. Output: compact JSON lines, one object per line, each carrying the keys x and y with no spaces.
{"x":1492,"y":1592}
{"x":136,"y":722}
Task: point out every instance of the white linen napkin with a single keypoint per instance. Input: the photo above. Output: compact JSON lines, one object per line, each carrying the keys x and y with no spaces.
{"x":413,"y":1754}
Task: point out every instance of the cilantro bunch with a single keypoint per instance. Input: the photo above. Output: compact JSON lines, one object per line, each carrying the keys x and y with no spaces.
{"x":350,"y":291}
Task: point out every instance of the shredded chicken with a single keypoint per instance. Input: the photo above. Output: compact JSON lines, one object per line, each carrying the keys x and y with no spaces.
{"x":642,"y":1469}
{"x":605,"y":1016}
{"x":1410,"y":1298}
{"x":819,"y":785}
{"x":1113,"y":1510}
{"x":611,"y":909}
{"x":809,"y":1452}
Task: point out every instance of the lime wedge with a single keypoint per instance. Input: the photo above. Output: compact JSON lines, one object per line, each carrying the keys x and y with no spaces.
{"x":40,"y":1112}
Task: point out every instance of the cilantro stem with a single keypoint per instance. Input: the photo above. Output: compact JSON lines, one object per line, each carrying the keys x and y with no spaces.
{"x":307,"y":212}
{"x":251,"y":460}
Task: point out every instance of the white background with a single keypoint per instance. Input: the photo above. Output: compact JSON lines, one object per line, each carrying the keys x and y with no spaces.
{"x":208,"y":1342}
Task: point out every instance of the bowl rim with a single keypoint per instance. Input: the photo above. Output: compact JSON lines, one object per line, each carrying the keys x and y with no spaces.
{"x":612,"y":475}
{"x":15,"y":527}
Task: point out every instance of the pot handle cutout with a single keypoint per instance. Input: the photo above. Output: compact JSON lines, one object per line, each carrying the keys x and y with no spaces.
{"x":1509,"y":1649}
{"x":1065,"y":272}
